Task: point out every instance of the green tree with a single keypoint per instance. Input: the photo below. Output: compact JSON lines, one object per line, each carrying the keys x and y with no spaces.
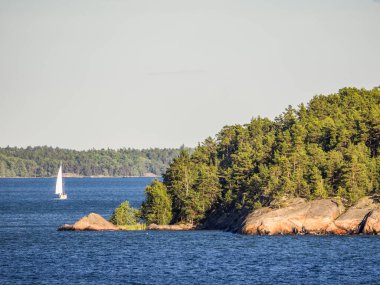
{"x":316,"y":184}
{"x":356,"y":178}
{"x":179,"y":180}
{"x":157,"y":207}
{"x":125,"y":215}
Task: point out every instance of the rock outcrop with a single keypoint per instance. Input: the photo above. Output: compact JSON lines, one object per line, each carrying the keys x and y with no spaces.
{"x":372,"y":225}
{"x":179,"y":227}
{"x":219,"y":220}
{"x":354,"y":219}
{"x":92,"y":222}
{"x":298,"y":217}
{"x":324,"y":216}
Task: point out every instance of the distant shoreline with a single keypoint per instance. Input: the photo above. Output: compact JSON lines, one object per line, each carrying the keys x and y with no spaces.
{"x":47,"y":177}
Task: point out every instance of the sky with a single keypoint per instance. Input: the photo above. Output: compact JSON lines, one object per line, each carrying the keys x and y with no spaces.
{"x":134,"y":73}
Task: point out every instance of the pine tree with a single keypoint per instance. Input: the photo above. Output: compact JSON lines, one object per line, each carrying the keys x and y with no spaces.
{"x":355,"y":175}
{"x":316,"y":184}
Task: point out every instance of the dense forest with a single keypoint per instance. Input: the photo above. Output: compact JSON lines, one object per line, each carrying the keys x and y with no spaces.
{"x":328,"y":148}
{"x":44,"y":161}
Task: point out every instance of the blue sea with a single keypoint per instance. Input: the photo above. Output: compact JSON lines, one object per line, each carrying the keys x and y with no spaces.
{"x":32,"y":251}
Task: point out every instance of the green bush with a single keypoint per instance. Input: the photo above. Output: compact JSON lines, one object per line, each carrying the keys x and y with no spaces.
{"x":125,"y":215}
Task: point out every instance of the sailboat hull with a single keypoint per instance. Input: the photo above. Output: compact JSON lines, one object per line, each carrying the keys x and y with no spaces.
{"x":62,"y":197}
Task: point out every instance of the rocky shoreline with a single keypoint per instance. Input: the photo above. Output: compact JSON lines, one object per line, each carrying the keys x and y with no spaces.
{"x":298,"y":216}
{"x":95,"y":222}
{"x":318,"y":217}
{"x":178,"y":227}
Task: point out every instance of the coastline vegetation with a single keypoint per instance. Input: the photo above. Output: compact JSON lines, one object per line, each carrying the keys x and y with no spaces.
{"x":327,"y":148}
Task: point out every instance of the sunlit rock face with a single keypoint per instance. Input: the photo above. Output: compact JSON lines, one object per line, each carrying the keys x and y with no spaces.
{"x":298,"y":217}
{"x":92,"y":222}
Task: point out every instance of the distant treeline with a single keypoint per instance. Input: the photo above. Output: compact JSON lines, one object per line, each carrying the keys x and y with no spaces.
{"x":43,"y":161}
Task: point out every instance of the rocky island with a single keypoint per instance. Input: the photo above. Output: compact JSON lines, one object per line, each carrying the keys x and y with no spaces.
{"x":311,"y":170}
{"x":318,"y":217}
{"x":91,"y":222}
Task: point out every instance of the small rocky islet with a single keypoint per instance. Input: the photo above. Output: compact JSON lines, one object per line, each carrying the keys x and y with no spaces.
{"x":95,"y":222}
{"x":297,"y":216}
{"x":91,"y":222}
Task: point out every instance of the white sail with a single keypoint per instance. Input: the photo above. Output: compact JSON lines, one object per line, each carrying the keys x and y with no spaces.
{"x":58,"y":185}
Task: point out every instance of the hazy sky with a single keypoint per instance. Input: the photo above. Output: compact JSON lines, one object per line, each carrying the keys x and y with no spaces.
{"x":96,"y":73}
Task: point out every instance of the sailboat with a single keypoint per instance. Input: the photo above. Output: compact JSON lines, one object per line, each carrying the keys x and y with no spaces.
{"x":59,"y":186}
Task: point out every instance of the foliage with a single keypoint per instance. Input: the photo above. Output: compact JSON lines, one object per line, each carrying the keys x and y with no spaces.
{"x":157,"y":207}
{"x":44,"y":161}
{"x":329,"y":148}
{"x":125,"y":215}
{"x":193,"y":183}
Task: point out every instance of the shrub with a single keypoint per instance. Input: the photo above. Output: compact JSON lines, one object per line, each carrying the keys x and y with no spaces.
{"x":125,"y":215}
